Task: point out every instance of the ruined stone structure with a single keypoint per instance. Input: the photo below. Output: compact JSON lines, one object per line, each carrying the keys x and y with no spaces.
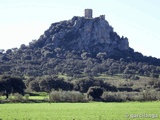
{"x":88,"y":13}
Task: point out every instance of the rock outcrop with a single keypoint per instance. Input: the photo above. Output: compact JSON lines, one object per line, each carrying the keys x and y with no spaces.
{"x":82,"y":34}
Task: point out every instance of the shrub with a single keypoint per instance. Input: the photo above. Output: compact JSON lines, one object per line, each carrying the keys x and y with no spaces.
{"x":53,"y":82}
{"x":155,"y":75}
{"x":84,"y":84}
{"x":66,"y":96}
{"x":113,"y":97}
{"x":34,"y":85}
{"x":138,"y":97}
{"x":117,"y":96}
{"x":18,"y":97}
{"x":134,"y":77}
{"x":26,"y":96}
{"x":147,"y":95}
{"x":95,"y":92}
{"x":109,"y":87}
{"x":150,"y":95}
{"x":55,"y":96}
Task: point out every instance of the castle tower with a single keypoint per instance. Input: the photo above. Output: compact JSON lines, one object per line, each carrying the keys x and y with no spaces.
{"x":88,"y":13}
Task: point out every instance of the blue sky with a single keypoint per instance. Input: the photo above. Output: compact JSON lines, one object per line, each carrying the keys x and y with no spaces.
{"x":22,"y":21}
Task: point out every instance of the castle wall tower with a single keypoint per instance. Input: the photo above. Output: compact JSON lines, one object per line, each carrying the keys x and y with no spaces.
{"x":88,"y":13}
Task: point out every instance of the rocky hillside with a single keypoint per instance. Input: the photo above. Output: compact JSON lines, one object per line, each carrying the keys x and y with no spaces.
{"x":75,"y":46}
{"x":83,"y":34}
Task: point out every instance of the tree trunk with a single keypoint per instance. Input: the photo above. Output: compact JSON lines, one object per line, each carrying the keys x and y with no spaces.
{"x":7,"y":95}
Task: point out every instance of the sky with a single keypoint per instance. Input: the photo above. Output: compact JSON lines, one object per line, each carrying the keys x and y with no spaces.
{"x":22,"y":21}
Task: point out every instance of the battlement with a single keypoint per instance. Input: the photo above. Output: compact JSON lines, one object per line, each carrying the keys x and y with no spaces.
{"x":89,"y":12}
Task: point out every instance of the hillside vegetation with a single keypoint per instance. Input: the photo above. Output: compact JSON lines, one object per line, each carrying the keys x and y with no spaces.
{"x":84,"y":55}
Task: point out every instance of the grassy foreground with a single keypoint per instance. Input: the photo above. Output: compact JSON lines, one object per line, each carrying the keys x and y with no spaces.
{"x":81,"y":111}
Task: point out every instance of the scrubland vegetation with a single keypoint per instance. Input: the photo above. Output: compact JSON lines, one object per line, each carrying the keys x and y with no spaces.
{"x":102,"y":88}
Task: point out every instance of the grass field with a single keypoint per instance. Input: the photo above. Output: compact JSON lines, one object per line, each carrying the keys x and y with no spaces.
{"x":81,"y":111}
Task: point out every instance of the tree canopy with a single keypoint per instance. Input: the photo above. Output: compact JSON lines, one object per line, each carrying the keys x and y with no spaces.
{"x":10,"y":84}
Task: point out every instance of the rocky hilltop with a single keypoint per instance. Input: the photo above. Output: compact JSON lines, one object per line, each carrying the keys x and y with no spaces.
{"x":74,"y":47}
{"x":92,"y":35}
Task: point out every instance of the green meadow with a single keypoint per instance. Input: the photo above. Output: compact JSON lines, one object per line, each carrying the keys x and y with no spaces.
{"x":81,"y":111}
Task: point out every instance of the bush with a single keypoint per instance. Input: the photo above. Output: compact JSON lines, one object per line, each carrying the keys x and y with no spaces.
{"x":48,"y":83}
{"x":109,"y":87}
{"x":18,"y":97}
{"x":113,"y":97}
{"x":34,"y":85}
{"x":55,"y":96}
{"x":147,"y":95}
{"x":134,"y":77}
{"x":67,"y":96}
{"x":150,"y":95}
{"x":27,"y":96}
{"x":95,"y":92}
{"x":84,"y":84}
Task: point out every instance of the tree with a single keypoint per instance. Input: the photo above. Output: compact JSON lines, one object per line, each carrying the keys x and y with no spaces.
{"x":9,"y":84}
{"x":95,"y":92}
{"x":101,"y":55}
{"x":84,"y":84}
{"x":155,"y":76}
{"x":34,"y":85}
{"x":53,"y":82}
{"x":8,"y":51}
{"x":2,"y":51}
{"x":85,"y":55}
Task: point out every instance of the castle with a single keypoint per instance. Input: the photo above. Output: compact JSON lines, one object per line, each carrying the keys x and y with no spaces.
{"x":89,"y":12}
